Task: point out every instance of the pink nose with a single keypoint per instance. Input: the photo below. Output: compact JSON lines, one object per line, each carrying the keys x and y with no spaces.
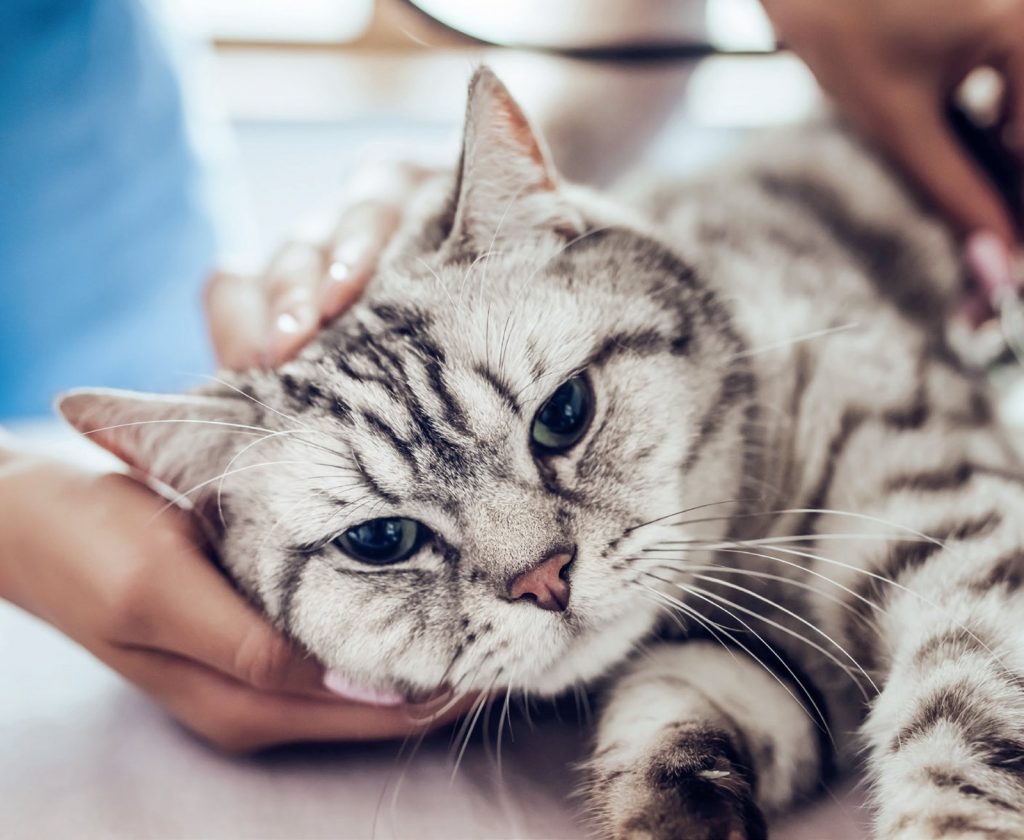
{"x":544,"y":584}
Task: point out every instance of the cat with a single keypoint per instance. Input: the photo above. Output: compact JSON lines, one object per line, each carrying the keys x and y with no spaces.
{"x":704,"y":447}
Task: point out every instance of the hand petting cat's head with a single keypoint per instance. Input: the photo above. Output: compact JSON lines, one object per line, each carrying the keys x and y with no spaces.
{"x":455,"y":483}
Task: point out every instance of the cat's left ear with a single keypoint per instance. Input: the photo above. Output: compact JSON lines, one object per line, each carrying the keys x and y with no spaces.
{"x":182,"y":441}
{"x":507,"y":186}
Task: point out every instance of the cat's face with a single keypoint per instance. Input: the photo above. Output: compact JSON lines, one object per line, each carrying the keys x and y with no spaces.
{"x":453,"y":485}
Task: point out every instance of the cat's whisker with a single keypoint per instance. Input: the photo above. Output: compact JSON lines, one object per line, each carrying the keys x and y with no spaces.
{"x":888,"y":581}
{"x":821,"y":721}
{"x":241,"y":427}
{"x":484,"y":700}
{"x":788,"y":630}
{"x":183,"y":496}
{"x":291,"y":418}
{"x":684,"y":566}
{"x":823,"y":511}
{"x":684,"y":511}
{"x":790,"y":342}
{"x":802,"y":568}
{"x":502,"y":719}
{"x":800,"y":538}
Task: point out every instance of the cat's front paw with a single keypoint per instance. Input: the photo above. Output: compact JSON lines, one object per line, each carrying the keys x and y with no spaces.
{"x":693,"y":788}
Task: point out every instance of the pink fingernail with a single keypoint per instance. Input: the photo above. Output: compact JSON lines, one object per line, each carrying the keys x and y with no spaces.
{"x":989,"y":261}
{"x":339,"y":684}
{"x":288,"y":329}
{"x":296,"y":319}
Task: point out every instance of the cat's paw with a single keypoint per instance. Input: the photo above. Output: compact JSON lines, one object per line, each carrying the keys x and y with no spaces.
{"x":693,"y":788}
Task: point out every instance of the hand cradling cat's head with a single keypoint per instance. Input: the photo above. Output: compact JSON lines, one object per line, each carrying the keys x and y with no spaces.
{"x":452,"y":484}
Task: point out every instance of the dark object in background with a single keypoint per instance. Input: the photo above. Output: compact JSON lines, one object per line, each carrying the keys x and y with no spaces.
{"x":986,"y":147}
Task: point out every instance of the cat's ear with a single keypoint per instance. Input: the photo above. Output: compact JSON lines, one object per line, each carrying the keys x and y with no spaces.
{"x":506,"y":184}
{"x":181,"y":441}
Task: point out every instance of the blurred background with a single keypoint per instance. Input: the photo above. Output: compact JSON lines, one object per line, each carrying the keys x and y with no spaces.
{"x":144,"y":143}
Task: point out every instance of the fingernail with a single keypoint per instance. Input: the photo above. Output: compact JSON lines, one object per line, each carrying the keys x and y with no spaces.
{"x":351,"y":262}
{"x":989,"y":261}
{"x":296,"y":319}
{"x":288,"y":326}
{"x":339,"y":684}
{"x":350,"y":257}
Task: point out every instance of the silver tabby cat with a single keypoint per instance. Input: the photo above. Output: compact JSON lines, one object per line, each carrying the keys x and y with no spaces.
{"x":716,"y":422}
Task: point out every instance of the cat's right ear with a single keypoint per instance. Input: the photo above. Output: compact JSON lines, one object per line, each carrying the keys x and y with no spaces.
{"x":507,"y":185}
{"x":181,"y":441}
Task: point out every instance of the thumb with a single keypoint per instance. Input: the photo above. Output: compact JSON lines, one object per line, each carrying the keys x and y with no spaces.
{"x":195,"y":613}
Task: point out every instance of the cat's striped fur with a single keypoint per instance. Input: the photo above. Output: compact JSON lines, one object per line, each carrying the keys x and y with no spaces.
{"x":766,"y":349}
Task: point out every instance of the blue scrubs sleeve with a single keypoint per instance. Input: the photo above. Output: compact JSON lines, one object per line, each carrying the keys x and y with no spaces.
{"x":105,"y":238}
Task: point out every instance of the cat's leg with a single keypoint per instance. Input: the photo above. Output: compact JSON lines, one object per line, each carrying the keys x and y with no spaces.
{"x":946,"y":735}
{"x":698,"y":742}
{"x":937,"y":621}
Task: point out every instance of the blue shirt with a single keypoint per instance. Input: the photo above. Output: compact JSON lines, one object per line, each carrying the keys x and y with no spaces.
{"x":104,"y":236}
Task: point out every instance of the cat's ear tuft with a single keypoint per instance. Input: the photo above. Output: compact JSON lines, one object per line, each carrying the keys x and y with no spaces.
{"x":506,"y":185}
{"x":180,"y":441}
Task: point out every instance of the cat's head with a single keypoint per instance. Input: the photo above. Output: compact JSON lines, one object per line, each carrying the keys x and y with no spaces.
{"x":455,"y":483}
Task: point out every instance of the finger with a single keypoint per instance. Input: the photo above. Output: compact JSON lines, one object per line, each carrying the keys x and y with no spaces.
{"x":236,"y":311}
{"x":291,"y":285}
{"x":909,"y":123}
{"x":192,"y":611}
{"x":237,"y":718}
{"x":362,"y":233}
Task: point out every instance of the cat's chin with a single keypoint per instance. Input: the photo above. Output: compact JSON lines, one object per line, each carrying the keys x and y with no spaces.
{"x":595,"y":652}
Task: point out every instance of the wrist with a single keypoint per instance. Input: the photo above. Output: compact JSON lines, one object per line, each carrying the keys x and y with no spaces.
{"x":16,"y":472}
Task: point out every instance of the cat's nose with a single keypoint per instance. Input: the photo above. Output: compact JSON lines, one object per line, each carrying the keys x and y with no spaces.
{"x":546,"y":584}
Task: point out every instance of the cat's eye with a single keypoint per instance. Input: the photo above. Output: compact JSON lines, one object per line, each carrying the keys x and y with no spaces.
{"x":563,"y":419}
{"x":381,"y":542}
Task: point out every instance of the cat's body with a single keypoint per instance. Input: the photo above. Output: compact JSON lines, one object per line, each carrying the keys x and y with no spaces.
{"x":761,"y":352}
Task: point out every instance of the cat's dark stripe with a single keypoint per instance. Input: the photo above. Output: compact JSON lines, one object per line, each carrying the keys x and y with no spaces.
{"x":500,"y":387}
{"x":390,"y":498}
{"x":434,"y":360}
{"x":737,"y":383}
{"x":402,"y":320}
{"x":933,"y":481}
{"x":953,"y":824}
{"x":913,"y":416}
{"x":850,"y":421}
{"x":909,"y":556}
{"x":289,"y":579}
{"x":946,"y":779}
{"x":1006,"y":572}
{"x":959,"y":639}
{"x":902,"y":558}
{"x":1006,"y":755}
{"x":638,"y":343}
{"x":954,"y":703}
{"x":341,"y":361}
{"x":402,"y":447}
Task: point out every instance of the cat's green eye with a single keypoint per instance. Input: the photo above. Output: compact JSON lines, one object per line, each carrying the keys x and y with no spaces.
{"x":563,"y":419}
{"x":382,"y":541}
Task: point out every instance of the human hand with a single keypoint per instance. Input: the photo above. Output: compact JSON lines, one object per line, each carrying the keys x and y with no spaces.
{"x":265,"y":319}
{"x":891,"y":67}
{"x":112,"y":566}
